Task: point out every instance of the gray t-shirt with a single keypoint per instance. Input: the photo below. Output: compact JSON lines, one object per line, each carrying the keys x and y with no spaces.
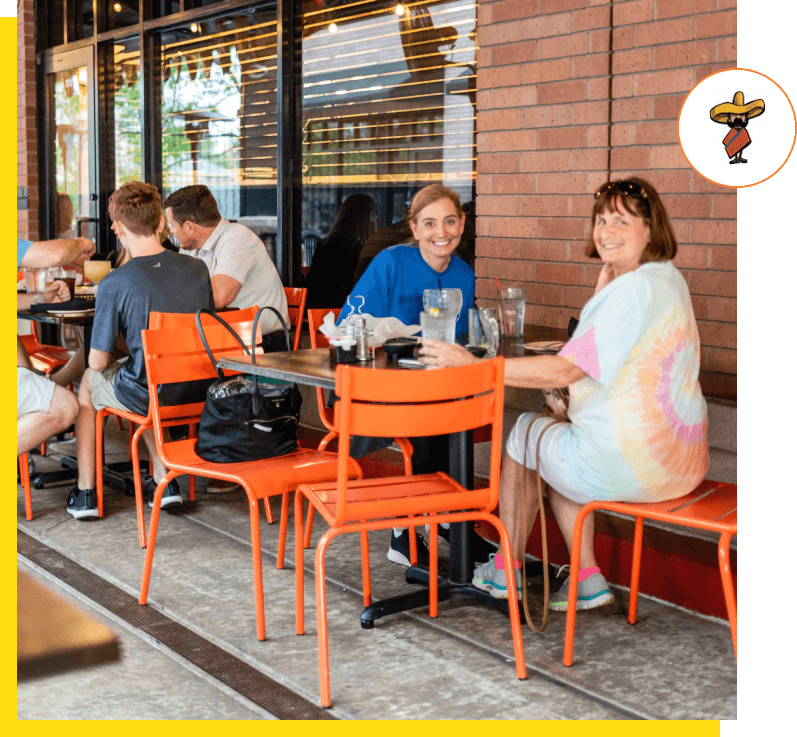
{"x":164,"y":282}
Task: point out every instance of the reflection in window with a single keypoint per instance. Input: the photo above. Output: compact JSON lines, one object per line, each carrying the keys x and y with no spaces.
{"x":219,"y":110}
{"x":388,"y":103}
{"x":121,"y":13}
{"x":71,"y":170}
{"x":127,"y":90}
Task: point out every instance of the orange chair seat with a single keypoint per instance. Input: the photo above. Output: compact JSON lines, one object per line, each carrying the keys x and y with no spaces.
{"x":431,"y":493}
{"x":711,"y":506}
{"x":279,"y":477}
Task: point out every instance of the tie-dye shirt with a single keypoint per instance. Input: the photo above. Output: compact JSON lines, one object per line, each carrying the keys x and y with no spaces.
{"x":639,"y":422}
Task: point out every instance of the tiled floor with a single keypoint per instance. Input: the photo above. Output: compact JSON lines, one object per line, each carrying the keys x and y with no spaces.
{"x":671,"y":665}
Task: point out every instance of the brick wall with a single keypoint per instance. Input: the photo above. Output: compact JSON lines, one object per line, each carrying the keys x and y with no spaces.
{"x":546,"y":141}
{"x":27,"y":159}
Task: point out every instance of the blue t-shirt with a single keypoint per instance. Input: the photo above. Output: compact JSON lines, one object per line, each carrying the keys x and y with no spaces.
{"x":393,"y":285}
{"x":22,"y":249}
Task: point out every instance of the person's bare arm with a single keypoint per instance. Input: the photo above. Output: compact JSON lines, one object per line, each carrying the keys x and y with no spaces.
{"x":57,"y":252}
{"x":225,"y":289}
{"x":99,"y":360}
{"x":541,"y":372}
{"x":531,"y":372}
{"x":58,"y":291}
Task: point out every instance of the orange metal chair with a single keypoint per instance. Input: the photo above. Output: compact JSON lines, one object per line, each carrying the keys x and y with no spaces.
{"x":297,"y":297}
{"x":177,"y":355}
{"x":45,"y":358}
{"x":158,"y":321}
{"x":315,"y":318}
{"x":407,"y":403}
{"x":24,"y":479}
{"x":711,"y":506}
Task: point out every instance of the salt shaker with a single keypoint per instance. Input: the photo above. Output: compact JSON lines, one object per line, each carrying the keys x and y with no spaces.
{"x":363,"y":353}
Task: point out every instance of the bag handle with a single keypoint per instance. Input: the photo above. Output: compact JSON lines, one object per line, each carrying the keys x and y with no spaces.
{"x":215,"y":316}
{"x":257,"y":323}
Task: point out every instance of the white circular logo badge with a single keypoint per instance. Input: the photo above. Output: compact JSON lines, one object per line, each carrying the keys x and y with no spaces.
{"x":737,"y":128}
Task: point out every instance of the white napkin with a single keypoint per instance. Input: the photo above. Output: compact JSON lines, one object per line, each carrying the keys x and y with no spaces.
{"x":384,"y":327}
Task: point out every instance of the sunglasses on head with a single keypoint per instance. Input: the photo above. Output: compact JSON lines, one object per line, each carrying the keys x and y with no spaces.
{"x":625,"y":187}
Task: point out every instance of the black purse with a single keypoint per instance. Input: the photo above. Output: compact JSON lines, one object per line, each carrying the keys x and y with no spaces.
{"x":244,"y":420}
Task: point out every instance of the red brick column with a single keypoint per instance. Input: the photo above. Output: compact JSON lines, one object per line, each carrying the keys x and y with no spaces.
{"x":573,"y":90}
{"x":27,"y":159}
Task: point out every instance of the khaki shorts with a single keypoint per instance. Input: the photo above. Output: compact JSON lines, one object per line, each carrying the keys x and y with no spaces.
{"x":34,"y":392}
{"x":102,"y":393}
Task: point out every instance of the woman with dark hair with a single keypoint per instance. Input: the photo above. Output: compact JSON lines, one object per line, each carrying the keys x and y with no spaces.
{"x":637,"y":418}
{"x":331,"y":275}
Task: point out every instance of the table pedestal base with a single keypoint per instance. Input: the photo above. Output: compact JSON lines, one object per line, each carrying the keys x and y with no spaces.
{"x":446,"y":590}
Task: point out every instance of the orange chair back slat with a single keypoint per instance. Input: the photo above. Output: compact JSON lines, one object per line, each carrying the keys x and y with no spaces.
{"x":296,"y":298}
{"x":415,"y":409}
{"x":404,"y":420}
{"x":315,"y":319}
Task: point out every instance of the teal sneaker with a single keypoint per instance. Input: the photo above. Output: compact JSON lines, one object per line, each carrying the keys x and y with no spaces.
{"x":492,"y":580}
{"x":592,"y":593}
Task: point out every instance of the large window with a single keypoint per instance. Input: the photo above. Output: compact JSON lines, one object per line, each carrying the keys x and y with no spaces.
{"x":127,"y":92}
{"x":388,"y":103}
{"x":219,"y":114}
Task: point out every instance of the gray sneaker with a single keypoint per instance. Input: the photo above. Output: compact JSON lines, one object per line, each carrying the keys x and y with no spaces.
{"x":488,"y":578}
{"x":592,"y":593}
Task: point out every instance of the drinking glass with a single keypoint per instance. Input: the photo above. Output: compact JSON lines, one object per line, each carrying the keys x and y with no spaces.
{"x":512,"y":307}
{"x":438,"y":326}
{"x":69,"y":276}
{"x":30,"y":280}
{"x":443,"y":300}
{"x":96,"y":270}
{"x":483,"y":329}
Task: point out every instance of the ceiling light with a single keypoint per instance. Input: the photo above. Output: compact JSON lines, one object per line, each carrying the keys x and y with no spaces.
{"x":332,"y":28}
{"x":117,"y":7}
{"x":195,"y":28}
{"x":399,"y":9}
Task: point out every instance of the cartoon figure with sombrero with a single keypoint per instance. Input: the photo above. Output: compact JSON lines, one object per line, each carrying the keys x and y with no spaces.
{"x":735,"y":115}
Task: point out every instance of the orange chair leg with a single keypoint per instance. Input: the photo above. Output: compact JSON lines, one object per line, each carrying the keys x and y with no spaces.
{"x":269,"y":515}
{"x":283,"y":530}
{"x":24,"y":477}
{"x":153,"y":535}
{"x":572,"y":596}
{"x":636,"y":564}
{"x":257,"y":564}
{"x":321,"y":612}
{"x":514,"y":609}
{"x":299,"y":564}
{"x":99,"y":426}
{"x":192,"y":433}
{"x":308,"y":529}
{"x":137,"y":485}
{"x":43,"y":449}
{"x":432,"y":569}
{"x":121,"y":424}
{"x":723,"y":552}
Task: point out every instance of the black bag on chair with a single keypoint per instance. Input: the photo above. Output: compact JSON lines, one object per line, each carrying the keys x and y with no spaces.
{"x":244,"y":420}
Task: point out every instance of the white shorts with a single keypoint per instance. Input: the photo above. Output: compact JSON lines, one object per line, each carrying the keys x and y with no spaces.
{"x":552,"y":464}
{"x":34,"y":392}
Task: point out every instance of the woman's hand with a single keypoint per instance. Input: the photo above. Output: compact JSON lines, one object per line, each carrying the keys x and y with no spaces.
{"x":440,"y":354}
{"x":606,"y":276}
{"x":58,"y":291}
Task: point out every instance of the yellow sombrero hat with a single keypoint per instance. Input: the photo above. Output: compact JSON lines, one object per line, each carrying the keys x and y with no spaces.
{"x":721,"y":112}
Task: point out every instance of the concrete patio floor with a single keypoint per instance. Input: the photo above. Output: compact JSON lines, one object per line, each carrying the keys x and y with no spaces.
{"x":671,"y":665}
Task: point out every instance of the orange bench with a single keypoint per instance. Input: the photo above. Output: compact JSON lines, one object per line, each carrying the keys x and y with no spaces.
{"x":711,"y":506}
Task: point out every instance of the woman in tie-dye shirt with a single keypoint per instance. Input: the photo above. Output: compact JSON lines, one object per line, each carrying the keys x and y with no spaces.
{"x":638,"y":423}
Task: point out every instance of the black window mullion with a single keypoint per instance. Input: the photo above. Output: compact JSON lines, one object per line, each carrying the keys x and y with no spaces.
{"x":151,"y":122}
